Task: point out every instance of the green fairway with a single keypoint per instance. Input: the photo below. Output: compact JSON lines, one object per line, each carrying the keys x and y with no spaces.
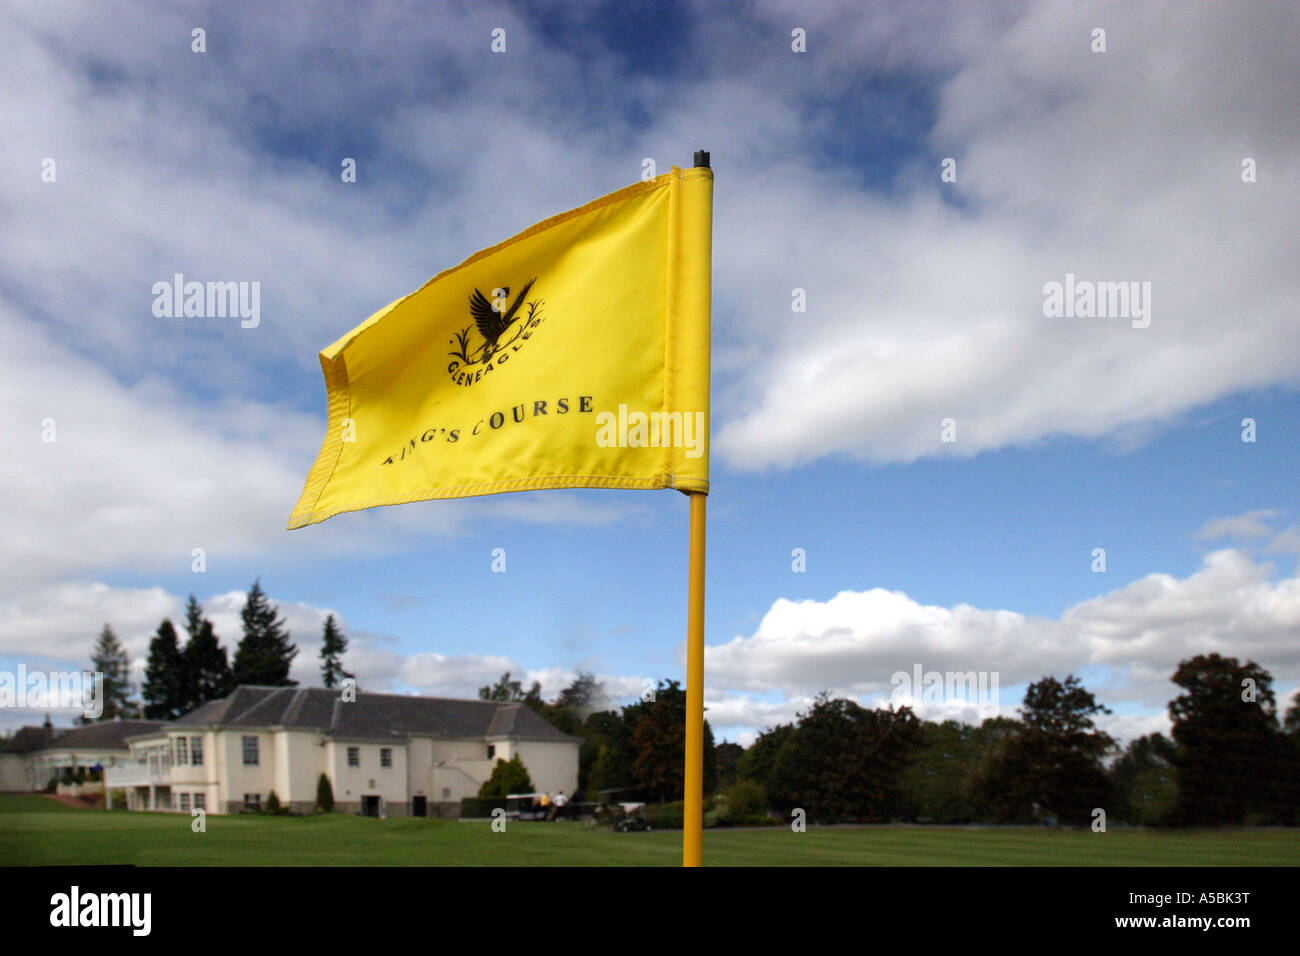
{"x":36,"y":830}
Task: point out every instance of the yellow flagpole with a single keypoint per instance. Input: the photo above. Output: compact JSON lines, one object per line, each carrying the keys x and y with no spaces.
{"x":693,"y":815}
{"x":693,"y":811}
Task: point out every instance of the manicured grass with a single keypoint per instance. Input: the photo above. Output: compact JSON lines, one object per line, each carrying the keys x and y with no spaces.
{"x":36,"y":834}
{"x":31,"y":803}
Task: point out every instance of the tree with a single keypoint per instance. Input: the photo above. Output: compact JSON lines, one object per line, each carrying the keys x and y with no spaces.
{"x":264,"y":655}
{"x":727,"y":755}
{"x":758,"y":763}
{"x":207,"y":668}
{"x":1144,"y":788}
{"x":509,"y":691}
{"x":939,"y":783}
{"x":1232,"y":760}
{"x":508,"y":776}
{"x":324,"y":795}
{"x":658,"y":744}
{"x":573,"y":705}
{"x":272,"y":803}
{"x":844,"y":762}
{"x":605,"y":757}
{"x":332,"y":650}
{"x":110,"y":659}
{"x":1292,"y":722}
{"x":1052,"y":765}
{"x":164,"y":689}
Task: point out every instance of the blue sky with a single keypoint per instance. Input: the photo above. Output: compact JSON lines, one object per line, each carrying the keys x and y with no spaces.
{"x":925,"y":302}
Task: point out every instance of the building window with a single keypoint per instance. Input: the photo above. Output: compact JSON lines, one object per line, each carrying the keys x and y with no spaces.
{"x":354,"y":756}
{"x":196,"y":751}
{"x":385,"y":756}
{"x":200,"y":801}
{"x":182,"y":757}
{"x":185,"y":803}
{"x":250,"y":751}
{"x":252,"y":801}
{"x":446,"y":793}
{"x":492,"y":751}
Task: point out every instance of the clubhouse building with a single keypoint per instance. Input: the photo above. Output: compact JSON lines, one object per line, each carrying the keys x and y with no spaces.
{"x":384,"y":754}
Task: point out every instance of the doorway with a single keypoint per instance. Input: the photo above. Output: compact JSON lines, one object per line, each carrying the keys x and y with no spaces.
{"x":369,"y":806}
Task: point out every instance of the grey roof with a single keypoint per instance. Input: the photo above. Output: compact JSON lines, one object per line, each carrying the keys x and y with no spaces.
{"x":105,"y":735}
{"x":27,"y":739}
{"x":371,"y":716}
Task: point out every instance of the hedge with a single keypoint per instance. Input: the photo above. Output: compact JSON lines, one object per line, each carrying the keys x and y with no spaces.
{"x":478,"y":807}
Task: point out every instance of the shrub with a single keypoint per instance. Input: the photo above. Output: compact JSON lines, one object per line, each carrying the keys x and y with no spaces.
{"x":665,"y":816}
{"x":324,"y":795}
{"x":479,"y":807}
{"x":508,"y":776}
{"x":272,"y":804}
{"x":66,"y":776}
{"x":79,"y":776}
{"x":745,"y":803}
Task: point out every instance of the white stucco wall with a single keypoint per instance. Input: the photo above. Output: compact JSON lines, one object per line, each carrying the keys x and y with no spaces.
{"x":13,"y":772}
{"x":552,"y":765}
{"x":238,"y":779}
{"x":351,"y":783}
{"x":299,"y":760}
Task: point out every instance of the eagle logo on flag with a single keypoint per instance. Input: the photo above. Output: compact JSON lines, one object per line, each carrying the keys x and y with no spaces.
{"x":493,"y":318}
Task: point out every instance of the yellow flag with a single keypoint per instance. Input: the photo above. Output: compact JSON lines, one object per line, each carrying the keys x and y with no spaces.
{"x":575,"y":354}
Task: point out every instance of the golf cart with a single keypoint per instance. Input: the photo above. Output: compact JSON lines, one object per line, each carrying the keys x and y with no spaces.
{"x":633,"y":820}
{"x":525,"y":806}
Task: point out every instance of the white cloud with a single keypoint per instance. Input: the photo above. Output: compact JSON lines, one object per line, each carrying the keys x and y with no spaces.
{"x":1118,"y":166}
{"x":1252,"y":524}
{"x":853,"y":643}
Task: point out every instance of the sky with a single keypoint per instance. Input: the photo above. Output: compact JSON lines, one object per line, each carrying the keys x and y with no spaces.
{"x":914,"y":471}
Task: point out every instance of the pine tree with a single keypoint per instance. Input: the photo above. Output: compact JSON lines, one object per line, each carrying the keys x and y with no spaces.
{"x":207,"y":668}
{"x":110,"y":659}
{"x":264,"y":654}
{"x":335,"y":645}
{"x":164,"y":676}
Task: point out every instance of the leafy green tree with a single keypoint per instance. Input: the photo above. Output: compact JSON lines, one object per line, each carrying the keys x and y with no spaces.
{"x":264,"y":655}
{"x":573,"y":705}
{"x":939,"y":783}
{"x":658,"y":742}
{"x":758,"y":763}
{"x":509,"y":691}
{"x":743,"y":802}
{"x":605,"y":757}
{"x":844,"y":762}
{"x":324,"y":794}
{"x":1052,"y":765}
{"x":110,"y":659}
{"x":164,"y":689}
{"x":1291,"y":725}
{"x":508,"y":776}
{"x":727,"y":755}
{"x":1232,"y":761}
{"x":1144,"y":787}
{"x":333,"y":647}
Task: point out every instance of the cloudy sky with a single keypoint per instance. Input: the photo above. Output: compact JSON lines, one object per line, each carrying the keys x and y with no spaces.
{"x":947,"y":457}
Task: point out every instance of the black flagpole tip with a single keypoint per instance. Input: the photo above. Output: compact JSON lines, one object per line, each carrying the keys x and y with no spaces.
{"x":702,"y":158}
